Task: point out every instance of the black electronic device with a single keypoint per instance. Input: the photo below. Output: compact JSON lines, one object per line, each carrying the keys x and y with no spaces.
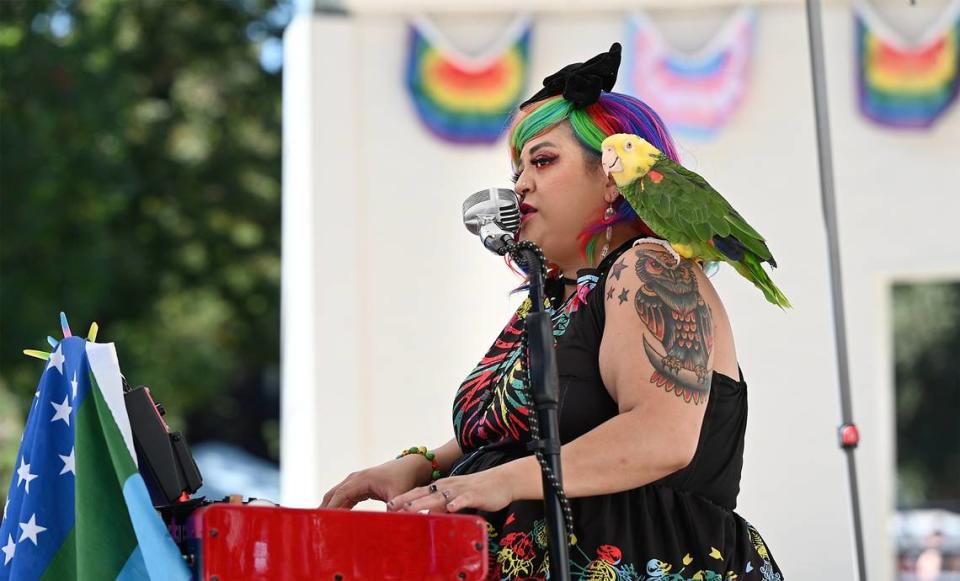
{"x":164,"y":458}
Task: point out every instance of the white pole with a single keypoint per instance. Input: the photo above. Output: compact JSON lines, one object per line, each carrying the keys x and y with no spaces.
{"x":321,"y":399}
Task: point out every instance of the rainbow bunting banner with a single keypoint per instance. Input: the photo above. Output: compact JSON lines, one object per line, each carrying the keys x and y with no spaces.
{"x":462,"y":98}
{"x":696,"y":93}
{"x":903,"y":84}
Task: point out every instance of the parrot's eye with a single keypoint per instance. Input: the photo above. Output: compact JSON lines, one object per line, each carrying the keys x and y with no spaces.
{"x":628,"y":146}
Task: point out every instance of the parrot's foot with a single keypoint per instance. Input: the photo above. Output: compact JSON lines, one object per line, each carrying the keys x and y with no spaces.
{"x":683,"y":250}
{"x":664,"y":243}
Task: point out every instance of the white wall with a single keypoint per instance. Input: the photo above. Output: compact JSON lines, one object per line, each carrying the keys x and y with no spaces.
{"x":404,"y":301}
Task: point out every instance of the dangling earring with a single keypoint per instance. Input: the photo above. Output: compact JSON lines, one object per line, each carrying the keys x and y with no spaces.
{"x":607,"y":218}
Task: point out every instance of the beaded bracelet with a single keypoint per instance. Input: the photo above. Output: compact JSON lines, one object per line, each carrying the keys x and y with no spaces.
{"x":422,"y":450}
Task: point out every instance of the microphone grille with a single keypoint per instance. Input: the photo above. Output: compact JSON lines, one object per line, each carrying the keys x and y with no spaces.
{"x":500,"y":204}
{"x":510,"y":218}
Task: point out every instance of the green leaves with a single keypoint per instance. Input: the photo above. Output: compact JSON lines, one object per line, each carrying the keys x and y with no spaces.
{"x":140,"y":182}
{"x":926,"y":340}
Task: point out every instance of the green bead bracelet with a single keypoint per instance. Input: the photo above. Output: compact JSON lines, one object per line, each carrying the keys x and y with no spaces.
{"x":430,"y":456}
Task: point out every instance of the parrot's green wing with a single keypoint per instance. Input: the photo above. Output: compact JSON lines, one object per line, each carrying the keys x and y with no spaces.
{"x":702,"y":213}
{"x":681,"y":207}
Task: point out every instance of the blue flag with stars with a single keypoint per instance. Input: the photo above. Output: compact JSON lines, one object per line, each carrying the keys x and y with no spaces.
{"x":77,"y":508}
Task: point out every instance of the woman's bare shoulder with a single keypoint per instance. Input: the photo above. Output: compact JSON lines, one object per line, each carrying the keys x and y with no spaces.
{"x":662,"y":291}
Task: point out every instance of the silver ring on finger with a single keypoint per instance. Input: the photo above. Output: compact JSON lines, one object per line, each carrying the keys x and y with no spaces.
{"x":446,"y":495}
{"x":433,"y":488}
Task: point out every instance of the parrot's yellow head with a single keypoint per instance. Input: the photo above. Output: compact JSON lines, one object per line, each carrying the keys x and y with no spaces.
{"x":627,"y":157}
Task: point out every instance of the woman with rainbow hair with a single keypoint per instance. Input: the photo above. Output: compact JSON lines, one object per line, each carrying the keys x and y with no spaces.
{"x":651,"y":461}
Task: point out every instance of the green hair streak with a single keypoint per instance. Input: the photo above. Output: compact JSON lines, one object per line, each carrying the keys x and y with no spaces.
{"x":552,"y":112}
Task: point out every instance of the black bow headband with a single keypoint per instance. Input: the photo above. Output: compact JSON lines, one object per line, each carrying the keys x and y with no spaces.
{"x":582,"y":83}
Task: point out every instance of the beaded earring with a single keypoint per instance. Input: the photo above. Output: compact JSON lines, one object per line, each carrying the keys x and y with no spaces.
{"x":607,"y":218}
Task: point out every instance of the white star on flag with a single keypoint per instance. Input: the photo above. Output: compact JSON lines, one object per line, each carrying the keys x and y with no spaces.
{"x":63,"y":411}
{"x":23,"y":473}
{"x":9,"y":549}
{"x":31,"y":529}
{"x":56,"y":360}
{"x":73,"y":384}
{"x":69,"y":463}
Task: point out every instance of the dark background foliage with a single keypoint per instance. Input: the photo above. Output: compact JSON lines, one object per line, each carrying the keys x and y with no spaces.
{"x":926,"y":348}
{"x":140,"y":188}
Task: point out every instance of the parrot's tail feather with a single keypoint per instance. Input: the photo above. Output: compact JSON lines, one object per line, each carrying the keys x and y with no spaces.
{"x":751,"y":269}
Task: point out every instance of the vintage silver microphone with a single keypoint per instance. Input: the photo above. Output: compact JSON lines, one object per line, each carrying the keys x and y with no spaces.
{"x":494,"y":215}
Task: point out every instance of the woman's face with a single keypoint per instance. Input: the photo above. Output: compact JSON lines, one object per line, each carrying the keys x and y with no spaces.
{"x":561,"y":193}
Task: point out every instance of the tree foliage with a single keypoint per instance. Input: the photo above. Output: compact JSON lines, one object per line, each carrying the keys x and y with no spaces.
{"x":140,"y":188}
{"x":926,"y":345}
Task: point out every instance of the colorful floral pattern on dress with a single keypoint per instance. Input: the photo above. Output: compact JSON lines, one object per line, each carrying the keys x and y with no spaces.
{"x":523,"y":556}
{"x":491,"y":404}
{"x":766,"y":568}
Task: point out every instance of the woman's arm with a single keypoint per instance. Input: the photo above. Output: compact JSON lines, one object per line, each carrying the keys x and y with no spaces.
{"x":389,"y":479}
{"x":448,"y":454}
{"x":656,"y":362}
{"x":626,"y":451}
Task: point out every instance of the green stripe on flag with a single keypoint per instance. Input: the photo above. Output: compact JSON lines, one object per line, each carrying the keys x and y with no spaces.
{"x":64,"y":563}
{"x":102,"y":538}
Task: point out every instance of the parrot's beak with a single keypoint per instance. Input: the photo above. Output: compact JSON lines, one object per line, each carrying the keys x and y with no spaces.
{"x":611,"y":161}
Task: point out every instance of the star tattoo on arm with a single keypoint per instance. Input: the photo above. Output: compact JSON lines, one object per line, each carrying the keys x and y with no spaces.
{"x":610,"y":293}
{"x":671,"y":307}
{"x":623,"y":296}
{"x":617,"y":268}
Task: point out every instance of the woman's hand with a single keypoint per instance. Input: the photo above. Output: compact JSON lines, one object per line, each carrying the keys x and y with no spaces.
{"x":488,"y":491}
{"x":381,"y":482}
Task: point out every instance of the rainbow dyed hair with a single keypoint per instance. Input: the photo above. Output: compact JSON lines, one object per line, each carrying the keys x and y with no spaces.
{"x":612,"y":113}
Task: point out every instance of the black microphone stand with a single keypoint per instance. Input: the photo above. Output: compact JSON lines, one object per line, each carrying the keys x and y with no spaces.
{"x":545,"y":424}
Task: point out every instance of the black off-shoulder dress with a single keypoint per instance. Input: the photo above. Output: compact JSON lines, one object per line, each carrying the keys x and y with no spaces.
{"x":680,"y":528}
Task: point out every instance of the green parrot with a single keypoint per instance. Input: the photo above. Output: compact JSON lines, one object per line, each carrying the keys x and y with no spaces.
{"x":681,"y":207}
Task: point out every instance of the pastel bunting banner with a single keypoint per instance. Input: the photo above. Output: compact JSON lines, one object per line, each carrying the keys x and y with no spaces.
{"x":696,"y":93}
{"x":462,"y":98}
{"x":904,"y":84}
